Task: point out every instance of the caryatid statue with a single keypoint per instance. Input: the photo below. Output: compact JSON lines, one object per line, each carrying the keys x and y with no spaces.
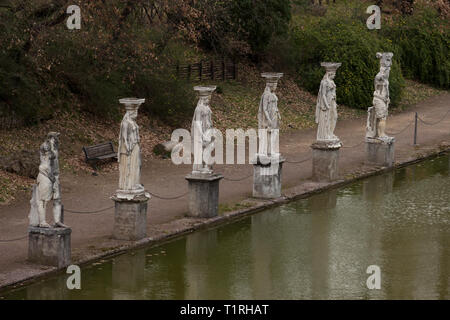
{"x":269,"y":116}
{"x":326,"y":108}
{"x":377,"y":114}
{"x":201,"y":130}
{"x":129,"y":152}
{"x":47,"y":185}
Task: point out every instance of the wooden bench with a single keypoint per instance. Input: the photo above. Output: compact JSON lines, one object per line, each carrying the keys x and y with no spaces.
{"x":99,"y":152}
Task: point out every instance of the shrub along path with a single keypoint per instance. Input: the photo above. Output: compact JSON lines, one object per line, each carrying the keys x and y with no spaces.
{"x":91,"y":233}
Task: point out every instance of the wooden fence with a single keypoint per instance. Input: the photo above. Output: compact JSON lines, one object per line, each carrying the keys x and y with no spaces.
{"x":208,"y":70}
{"x":9,"y":122}
{"x":319,"y":2}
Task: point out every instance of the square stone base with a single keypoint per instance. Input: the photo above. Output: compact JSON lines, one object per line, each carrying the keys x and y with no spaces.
{"x":267,"y":179}
{"x":49,"y":246}
{"x":130,"y":218}
{"x":203,"y":195}
{"x":380,"y":152}
{"x":325,"y":167}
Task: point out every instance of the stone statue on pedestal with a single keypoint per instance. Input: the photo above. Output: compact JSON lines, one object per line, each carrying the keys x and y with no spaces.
{"x":377,"y":114}
{"x":130,"y":216}
{"x":326,"y":108}
{"x":47,"y":185}
{"x":201,"y":130}
{"x":269,"y":116}
{"x":129,"y":152}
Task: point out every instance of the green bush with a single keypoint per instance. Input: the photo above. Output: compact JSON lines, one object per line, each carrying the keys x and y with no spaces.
{"x":423,"y":45}
{"x":355,"y":47}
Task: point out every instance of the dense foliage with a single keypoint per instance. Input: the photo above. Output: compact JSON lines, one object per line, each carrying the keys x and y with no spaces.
{"x":125,"y":47}
{"x":352,"y":45}
{"x":130,"y":48}
{"x":423,"y":46}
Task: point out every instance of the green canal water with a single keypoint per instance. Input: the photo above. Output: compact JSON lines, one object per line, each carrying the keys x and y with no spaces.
{"x":315,"y":248}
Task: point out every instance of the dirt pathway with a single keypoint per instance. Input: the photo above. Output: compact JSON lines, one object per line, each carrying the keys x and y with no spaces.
{"x":88,"y":193}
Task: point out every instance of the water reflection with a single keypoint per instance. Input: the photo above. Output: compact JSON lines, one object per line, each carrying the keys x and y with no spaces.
{"x":315,"y":248}
{"x":201,"y":250}
{"x":375,"y":188}
{"x":128,"y":275}
{"x":55,"y":289}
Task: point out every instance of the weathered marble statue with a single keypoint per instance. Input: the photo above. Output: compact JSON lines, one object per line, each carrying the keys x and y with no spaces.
{"x":326,"y":109}
{"x":129,"y":152}
{"x":200,"y":130}
{"x":269,"y":115}
{"x":377,"y":114}
{"x":47,"y":185}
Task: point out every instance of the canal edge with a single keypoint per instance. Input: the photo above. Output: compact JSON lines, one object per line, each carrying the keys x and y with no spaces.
{"x":226,"y":218}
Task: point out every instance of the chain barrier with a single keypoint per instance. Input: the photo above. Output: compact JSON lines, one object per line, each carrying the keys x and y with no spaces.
{"x":88,"y":212}
{"x":356,"y":145}
{"x":301,"y":161}
{"x":169,"y":198}
{"x":433,"y":123}
{"x":239,"y":179}
{"x":12,"y":240}
{"x":401,"y":131}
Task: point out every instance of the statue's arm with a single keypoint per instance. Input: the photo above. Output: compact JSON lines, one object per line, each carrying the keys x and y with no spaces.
{"x":386,"y":88}
{"x":125,"y":136}
{"x":325,"y":106}
{"x":198,"y":131}
{"x":266,"y":109}
{"x":206,"y":135}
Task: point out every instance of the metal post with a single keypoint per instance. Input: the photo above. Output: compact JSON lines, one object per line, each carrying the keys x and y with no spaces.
{"x":415,"y":129}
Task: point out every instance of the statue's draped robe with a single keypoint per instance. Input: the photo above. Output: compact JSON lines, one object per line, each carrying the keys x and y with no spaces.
{"x":268,"y":104}
{"x":45,"y":177}
{"x":380,"y":103}
{"x":381,"y":97}
{"x":268,"y":116}
{"x":201,"y":123}
{"x":129,"y":160}
{"x":326,"y":110}
{"x":43,"y":189}
{"x":47,"y":185}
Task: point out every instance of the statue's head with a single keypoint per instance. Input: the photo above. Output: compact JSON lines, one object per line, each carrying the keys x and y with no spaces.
{"x":385,"y":63}
{"x":132,"y":111}
{"x":53,"y":138}
{"x":132,"y":106}
{"x":133,"y":114}
{"x":385,"y":59}
{"x":205,"y":93}
{"x":330,"y":69}
{"x":272,"y":80}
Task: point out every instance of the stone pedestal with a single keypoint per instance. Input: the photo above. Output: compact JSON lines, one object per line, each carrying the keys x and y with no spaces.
{"x":380,"y":151}
{"x":267,"y":177}
{"x":325,"y":160}
{"x":130,"y":217}
{"x":49,"y":246}
{"x":203,"y":195}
